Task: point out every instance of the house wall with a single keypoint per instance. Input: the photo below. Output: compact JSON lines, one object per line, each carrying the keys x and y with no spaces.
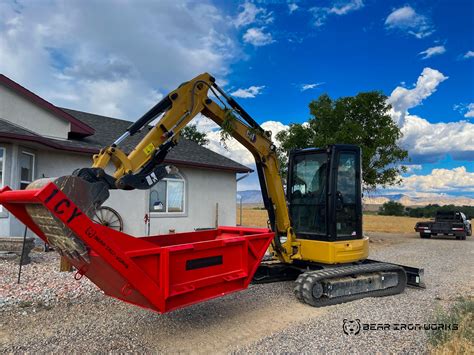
{"x":18,"y":110}
{"x":204,"y":189}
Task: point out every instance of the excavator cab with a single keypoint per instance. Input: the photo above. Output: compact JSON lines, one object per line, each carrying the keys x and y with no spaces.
{"x":324,"y":193}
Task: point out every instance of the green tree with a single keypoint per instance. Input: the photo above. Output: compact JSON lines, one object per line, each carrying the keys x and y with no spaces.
{"x":297,"y":136}
{"x":190,"y":132}
{"x":392,"y":208}
{"x":363,"y":120}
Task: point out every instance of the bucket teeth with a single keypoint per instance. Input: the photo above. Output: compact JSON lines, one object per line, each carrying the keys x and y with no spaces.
{"x":85,"y":195}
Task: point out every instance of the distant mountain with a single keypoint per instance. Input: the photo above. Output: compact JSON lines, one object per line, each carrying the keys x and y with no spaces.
{"x":406,"y":200}
{"x":250,"y":196}
{"x":255,"y":196}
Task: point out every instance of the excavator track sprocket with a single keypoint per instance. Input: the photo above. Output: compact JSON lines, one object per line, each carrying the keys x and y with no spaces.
{"x":348,"y":283}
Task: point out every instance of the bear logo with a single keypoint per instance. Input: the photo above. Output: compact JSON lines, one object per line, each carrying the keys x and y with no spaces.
{"x":351,"y":327}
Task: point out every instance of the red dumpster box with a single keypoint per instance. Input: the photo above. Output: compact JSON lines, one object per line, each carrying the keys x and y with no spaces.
{"x":163,"y":272}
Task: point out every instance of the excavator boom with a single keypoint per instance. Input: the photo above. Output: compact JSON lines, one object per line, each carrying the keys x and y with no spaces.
{"x":144,"y":166}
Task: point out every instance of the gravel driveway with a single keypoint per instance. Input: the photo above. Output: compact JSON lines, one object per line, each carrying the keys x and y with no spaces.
{"x":52,"y":312}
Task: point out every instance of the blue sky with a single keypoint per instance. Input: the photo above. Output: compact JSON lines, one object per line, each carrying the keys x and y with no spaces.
{"x":356,"y":52}
{"x":118,"y":58}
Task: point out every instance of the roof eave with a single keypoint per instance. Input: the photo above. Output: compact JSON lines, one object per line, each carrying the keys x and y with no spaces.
{"x":239,"y":170}
{"x":77,"y":126}
{"x":47,"y":142}
{"x":58,"y":146}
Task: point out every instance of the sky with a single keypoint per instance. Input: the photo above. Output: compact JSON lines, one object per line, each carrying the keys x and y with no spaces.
{"x":118,"y":58}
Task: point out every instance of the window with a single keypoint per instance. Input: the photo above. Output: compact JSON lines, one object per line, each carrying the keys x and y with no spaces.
{"x":168,"y":195}
{"x":346,"y":177}
{"x":308,"y":194}
{"x":346,"y":191}
{"x":27,"y":169}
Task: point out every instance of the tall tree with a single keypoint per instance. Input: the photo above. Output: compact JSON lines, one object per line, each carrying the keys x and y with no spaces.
{"x":392,"y":208}
{"x":191,"y":133}
{"x":363,"y":120}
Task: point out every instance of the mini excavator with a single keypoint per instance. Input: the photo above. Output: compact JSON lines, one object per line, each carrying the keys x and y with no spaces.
{"x":314,"y":233}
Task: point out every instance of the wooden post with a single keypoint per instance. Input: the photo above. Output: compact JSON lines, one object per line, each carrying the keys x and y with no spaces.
{"x":22,"y":253}
{"x":65,"y":265}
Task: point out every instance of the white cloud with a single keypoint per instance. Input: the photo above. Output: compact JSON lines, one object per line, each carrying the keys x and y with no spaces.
{"x":467,"y":110}
{"x":248,"y":93}
{"x":402,"y":98}
{"x":83,"y":51}
{"x":257,"y":37}
{"x":440,"y":180}
{"x":470,"y":111}
{"x":292,"y":7}
{"x":430,"y":142}
{"x":408,"y":20}
{"x":432,"y":51}
{"x":426,"y":141}
{"x":304,"y":87}
{"x":469,"y":54}
{"x":344,"y":7}
{"x":204,"y":124}
{"x":252,"y":14}
{"x":320,"y":14}
{"x":413,"y":167}
{"x":275,"y":127}
{"x":232,"y":148}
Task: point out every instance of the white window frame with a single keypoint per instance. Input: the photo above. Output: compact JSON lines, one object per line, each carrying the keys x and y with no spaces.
{"x":33,"y":155}
{"x":2,"y":182}
{"x":167,"y":213}
{"x":3,"y":166}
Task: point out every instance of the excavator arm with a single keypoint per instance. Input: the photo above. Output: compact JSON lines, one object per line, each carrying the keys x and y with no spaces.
{"x":144,"y":167}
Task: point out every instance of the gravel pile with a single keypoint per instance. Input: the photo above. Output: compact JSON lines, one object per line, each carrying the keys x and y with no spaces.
{"x":41,"y":283}
{"x":263,"y":319}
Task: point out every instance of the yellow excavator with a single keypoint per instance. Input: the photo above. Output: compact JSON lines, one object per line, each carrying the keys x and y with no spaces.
{"x":315,"y":227}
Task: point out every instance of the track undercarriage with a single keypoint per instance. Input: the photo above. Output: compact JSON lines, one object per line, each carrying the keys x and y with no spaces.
{"x":320,"y":286}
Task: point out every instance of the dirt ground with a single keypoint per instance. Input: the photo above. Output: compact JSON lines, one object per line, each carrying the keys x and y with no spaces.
{"x":261,"y":319}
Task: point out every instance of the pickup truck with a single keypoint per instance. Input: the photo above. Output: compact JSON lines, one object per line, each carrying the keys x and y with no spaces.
{"x":446,"y":223}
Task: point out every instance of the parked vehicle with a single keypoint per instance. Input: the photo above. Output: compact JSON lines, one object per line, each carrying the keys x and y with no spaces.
{"x":446,"y":223}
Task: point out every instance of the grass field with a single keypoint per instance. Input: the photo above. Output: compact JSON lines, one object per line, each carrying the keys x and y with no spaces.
{"x":372,"y":223}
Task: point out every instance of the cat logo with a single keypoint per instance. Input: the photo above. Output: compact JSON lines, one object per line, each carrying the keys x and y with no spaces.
{"x":252,"y":136}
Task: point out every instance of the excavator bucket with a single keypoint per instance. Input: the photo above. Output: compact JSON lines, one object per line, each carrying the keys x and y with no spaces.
{"x":162,"y":273}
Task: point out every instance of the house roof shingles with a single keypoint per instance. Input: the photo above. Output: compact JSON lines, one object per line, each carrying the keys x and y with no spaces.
{"x":107,"y":129}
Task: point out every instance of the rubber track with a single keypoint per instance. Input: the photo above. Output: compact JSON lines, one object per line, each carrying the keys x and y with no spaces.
{"x":304,"y":283}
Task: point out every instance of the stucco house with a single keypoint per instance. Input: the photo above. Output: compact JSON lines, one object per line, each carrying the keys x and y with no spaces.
{"x":38,"y":139}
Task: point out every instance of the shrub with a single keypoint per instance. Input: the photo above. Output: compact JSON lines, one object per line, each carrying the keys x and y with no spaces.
{"x":461,"y":340}
{"x":392,"y":208}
